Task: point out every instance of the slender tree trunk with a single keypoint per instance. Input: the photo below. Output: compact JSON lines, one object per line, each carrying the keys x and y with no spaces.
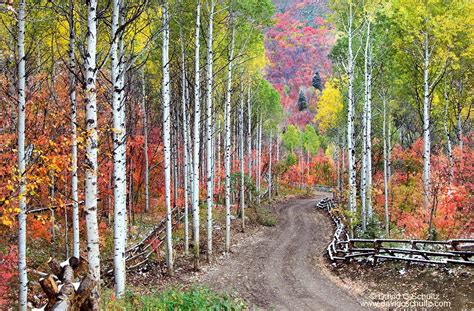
{"x":270,"y":166}
{"x":259,"y":156}
{"x":385,"y":165}
{"x":277,"y":159}
{"x":249,"y":139}
{"x":219,"y":168}
{"x":426,"y":128}
{"x":166,"y":135}
{"x":369,"y":129}
{"x":365,"y":156}
{"x":197,"y":115}
{"x":185,"y":144}
{"x":119,"y":155}
{"x":209,"y":131}
{"x":448,"y":139}
{"x":350,"y":124}
{"x":72,"y":97}
{"x":130,"y":192}
{"x":22,"y":273}
{"x":242,"y":158}
{"x":145,"y":143}
{"x":92,"y":141}
{"x":227,"y":140}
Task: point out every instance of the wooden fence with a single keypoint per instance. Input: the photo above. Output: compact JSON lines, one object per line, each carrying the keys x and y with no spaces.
{"x":343,"y":248}
{"x":139,"y":254}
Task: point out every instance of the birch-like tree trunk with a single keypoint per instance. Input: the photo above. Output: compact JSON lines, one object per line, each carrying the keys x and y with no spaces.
{"x":241,"y":158}
{"x":369,"y":128}
{"x":22,"y":273}
{"x":209,"y":194}
{"x":119,"y":152}
{"x":72,"y":98}
{"x":448,"y":139}
{"x":270,"y":166}
{"x":259,"y":156}
{"x":385,"y":164}
{"x":249,"y":138}
{"x":197,"y":115}
{"x":277,"y":158}
{"x":218,"y":154}
{"x":366,"y":133}
{"x":145,"y":142}
{"x":92,"y":141}
{"x":166,"y":135}
{"x":350,"y":122}
{"x":426,"y":127}
{"x":227,"y":139}
{"x":184,"y":91}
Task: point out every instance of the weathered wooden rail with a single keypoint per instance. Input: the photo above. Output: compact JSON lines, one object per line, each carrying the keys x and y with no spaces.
{"x":343,"y":248}
{"x":139,"y":254}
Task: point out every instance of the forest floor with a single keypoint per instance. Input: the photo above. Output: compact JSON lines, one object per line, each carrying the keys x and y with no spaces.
{"x":284,"y":267}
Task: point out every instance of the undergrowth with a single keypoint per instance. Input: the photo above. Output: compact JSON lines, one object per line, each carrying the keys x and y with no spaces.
{"x":265,"y":217}
{"x":194,"y":298}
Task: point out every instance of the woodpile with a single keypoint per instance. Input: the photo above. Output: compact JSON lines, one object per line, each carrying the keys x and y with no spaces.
{"x":69,"y":286}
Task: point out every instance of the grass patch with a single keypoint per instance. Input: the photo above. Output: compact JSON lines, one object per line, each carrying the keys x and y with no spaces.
{"x":265,"y":217}
{"x":194,"y":298}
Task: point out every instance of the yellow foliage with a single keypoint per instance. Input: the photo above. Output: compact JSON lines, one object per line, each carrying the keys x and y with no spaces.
{"x":329,"y":106}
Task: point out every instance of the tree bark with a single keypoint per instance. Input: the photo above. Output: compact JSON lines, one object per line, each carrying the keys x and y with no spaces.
{"x":197,"y":115}
{"x":227,"y":138}
{"x":350,"y":124}
{"x":426,"y":127}
{"x":166,"y":136}
{"x":209,"y":194}
{"x":242,"y":157}
{"x":92,"y":142}
{"x":22,"y":273}
{"x":72,"y":97}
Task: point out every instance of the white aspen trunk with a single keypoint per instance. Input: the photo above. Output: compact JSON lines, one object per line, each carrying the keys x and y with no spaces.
{"x":227,"y":140}
{"x":197,"y":115}
{"x":218,"y":154}
{"x":22,"y":273}
{"x":350,"y":124}
{"x":145,"y":145}
{"x":389,"y":146}
{"x":259,"y":156}
{"x":365,"y":160}
{"x":448,"y":139}
{"x":185,"y":144}
{"x":460,"y":133}
{"x":92,"y":141}
{"x":270,"y":166}
{"x":385,"y":165}
{"x":119,"y":154}
{"x":72,"y":97}
{"x":249,"y":138}
{"x":369,"y":131}
{"x":241,"y":158}
{"x":166,"y":135}
{"x":426,"y":128}
{"x":130,"y":192}
{"x":277,"y":158}
{"x":338,"y":169}
{"x":209,"y":193}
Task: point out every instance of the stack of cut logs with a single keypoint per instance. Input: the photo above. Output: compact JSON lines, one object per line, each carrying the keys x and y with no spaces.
{"x":69,"y":286}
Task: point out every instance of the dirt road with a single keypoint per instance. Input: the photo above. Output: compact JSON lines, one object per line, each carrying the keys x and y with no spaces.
{"x":280,"y":267}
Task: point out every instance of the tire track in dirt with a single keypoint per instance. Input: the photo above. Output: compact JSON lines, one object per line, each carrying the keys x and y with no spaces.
{"x":278,"y":268}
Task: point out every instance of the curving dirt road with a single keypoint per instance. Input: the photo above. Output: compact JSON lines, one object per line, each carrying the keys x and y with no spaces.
{"x":281,"y":267}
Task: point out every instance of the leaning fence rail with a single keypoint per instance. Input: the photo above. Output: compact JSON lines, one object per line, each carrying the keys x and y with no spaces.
{"x":343,"y":248}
